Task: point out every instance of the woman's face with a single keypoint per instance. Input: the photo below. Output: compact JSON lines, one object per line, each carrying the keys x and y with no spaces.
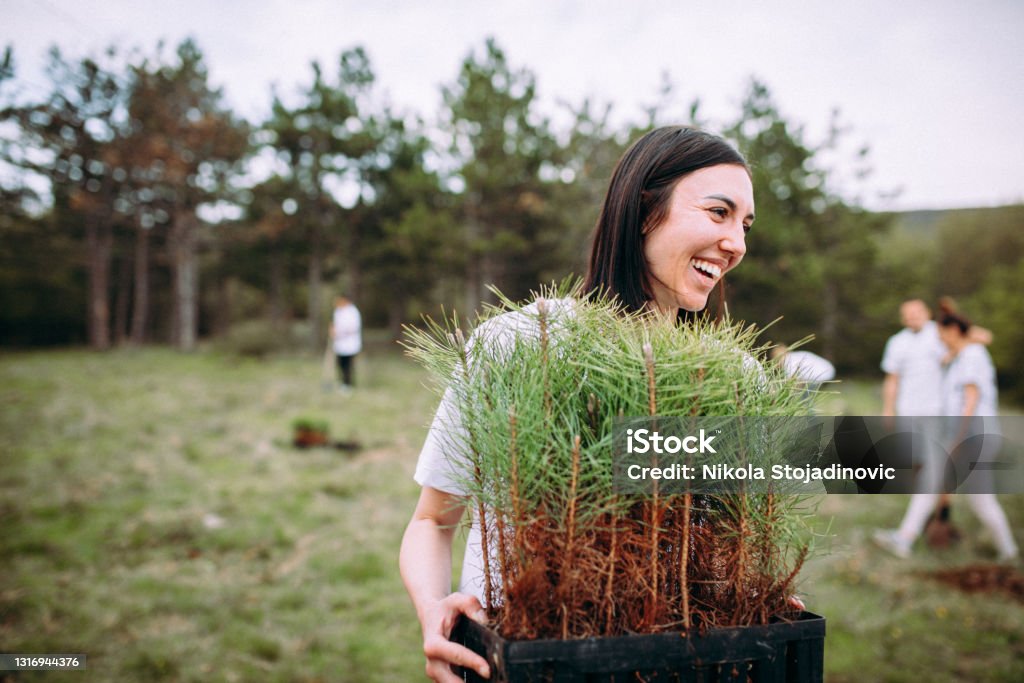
{"x":702,"y":237}
{"x":950,"y":336}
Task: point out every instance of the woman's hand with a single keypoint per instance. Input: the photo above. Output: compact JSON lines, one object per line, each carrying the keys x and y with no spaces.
{"x":438,"y":619}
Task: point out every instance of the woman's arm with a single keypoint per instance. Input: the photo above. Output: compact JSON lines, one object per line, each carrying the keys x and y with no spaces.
{"x":425,"y":561}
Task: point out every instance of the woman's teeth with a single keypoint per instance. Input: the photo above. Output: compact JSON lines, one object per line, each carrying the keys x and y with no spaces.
{"x":709,"y":269}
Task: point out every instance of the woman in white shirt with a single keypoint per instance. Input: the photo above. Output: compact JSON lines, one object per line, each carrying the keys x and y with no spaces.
{"x":674,"y":221}
{"x":970,"y":397}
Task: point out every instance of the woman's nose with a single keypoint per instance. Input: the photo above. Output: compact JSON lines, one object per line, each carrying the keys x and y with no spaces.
{"x":735,"y":241}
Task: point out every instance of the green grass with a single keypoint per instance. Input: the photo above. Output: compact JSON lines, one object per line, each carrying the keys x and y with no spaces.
{"x":115,"y":468}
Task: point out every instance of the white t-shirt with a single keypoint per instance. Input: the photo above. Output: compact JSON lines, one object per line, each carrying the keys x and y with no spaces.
{"x":974,"y":366}
{"x":917,"y":358}
{"x":442,"y":462}
{"x":808,"y":366}
{"x":348,"y":338}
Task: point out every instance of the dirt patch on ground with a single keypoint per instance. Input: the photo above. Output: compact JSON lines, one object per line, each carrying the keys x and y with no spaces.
{"x":983,"y":578}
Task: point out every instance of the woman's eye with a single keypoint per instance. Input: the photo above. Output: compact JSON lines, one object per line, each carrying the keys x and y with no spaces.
{"x":719,"y":211}
{"x":747,"y":227}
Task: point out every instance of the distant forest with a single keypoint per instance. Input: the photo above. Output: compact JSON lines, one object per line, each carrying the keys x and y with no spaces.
{"x":137,"y":208}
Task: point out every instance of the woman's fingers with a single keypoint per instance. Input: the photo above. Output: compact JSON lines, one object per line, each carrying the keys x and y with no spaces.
{"x":465,"y":604}
{"x":795,"y":602}
{"x":443,"y":652}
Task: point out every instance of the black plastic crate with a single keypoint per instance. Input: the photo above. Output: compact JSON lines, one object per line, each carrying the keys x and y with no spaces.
{"x":778,"y":652}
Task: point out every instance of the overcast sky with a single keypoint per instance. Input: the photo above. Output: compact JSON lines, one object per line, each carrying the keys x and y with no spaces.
{"x":935,"y":87}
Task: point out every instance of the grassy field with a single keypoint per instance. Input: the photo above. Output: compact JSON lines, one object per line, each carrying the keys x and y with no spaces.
{"x":155,"y":518}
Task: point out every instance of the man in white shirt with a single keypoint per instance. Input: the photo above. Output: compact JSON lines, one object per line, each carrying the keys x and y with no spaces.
{"x":912,"y":362}
{"x":346,"y":333}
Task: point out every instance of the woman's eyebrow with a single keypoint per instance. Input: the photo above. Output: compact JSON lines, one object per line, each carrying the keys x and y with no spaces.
{"x":728,"y":202}
{"x":722,"y":198}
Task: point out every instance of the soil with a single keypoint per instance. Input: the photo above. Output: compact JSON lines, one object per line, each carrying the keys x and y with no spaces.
{"x":308,"y":438}
{"x":984,"y":578}
{"x":311,"y":439}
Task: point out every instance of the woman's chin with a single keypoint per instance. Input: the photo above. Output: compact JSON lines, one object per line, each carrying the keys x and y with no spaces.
{"x":687,"y":300}
{"x":693,"y":304}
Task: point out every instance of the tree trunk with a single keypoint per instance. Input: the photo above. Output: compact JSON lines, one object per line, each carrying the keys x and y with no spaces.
{"x":355,"y":270}
{"x":185,"y":267}
{"x":830,"y":319}
{"x":122,"y":299}
{"x":99,"y":240}
{"x":316,"y":266}
{"x":472,"y":288}
{"x":140,"y":310}
{"x":490,"y":275}
{"x":221,"y":323}
{"x":474,"y":276}
{"x":396,"y":314}
{"x":276,"y":287}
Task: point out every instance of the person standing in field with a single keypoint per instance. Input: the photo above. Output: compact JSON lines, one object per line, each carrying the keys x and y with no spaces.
{"x":346,"y":333}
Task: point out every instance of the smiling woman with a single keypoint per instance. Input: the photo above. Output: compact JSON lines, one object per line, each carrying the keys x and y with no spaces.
{"x":673,"y":223}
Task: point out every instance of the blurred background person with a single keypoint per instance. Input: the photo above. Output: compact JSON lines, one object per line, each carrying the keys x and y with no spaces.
{"x":346,"y":333}
{"x":810,"y":368}
{"x":969,"y":393}
{"x":912,"y":362}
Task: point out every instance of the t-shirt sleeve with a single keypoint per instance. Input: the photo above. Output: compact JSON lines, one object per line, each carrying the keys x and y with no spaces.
{"x":442,"y":463}
{"x":891,"y":360}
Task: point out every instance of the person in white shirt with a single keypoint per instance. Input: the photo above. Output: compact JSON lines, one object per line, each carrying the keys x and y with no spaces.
{"x":912,"y":362}
{"x":346,"y":333}
{"x":970,"y":395}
